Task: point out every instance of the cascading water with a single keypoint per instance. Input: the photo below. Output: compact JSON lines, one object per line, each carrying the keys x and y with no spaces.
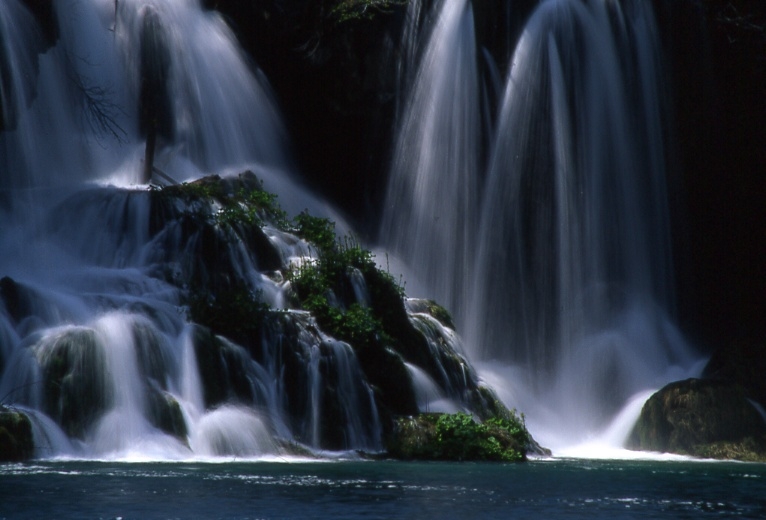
{"x":561,"y":267}
{"x":433,"y":189}
{"x":572,"y":273}
{"x":118,"y":66}
{"x":94,"y":342}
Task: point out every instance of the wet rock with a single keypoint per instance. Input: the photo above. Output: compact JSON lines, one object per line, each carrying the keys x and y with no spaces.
{"x":72,"y":364}
{"x":167,"y":415}
{"x":16,"y":441}
{"x":701,"y":418}
{"x":223,"y":369}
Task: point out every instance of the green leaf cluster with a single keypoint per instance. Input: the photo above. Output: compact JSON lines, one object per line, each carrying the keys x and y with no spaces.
{"x":458,"y":437}
{"x":323,"y":283}
{"x":248,"y":204}
{"x":351,"y":10}
{"x":319,"y":231}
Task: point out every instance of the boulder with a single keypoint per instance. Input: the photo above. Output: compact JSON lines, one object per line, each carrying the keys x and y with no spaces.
{"x":16,"y":442}
{"x":703,"y":418}
{"x":166,"y":414}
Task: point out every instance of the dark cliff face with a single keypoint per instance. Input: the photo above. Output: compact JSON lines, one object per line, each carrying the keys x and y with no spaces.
{"x":716,"y":56}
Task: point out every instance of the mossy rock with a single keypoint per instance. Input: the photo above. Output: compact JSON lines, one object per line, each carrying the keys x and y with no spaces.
{"x":222,"y":369}
{"x":702,"y":418}
{"x":16,"y":440}
{"x":166,"y":414}
{"x":73,"y":365}
{"x":433,"y":309}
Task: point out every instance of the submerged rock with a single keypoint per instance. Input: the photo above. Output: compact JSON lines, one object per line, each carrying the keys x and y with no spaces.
{"x":702,"y":418}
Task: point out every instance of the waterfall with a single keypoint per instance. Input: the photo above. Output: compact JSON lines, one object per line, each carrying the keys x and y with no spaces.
{"x":95,"y":344}
{"x":541,"y":224}
{"x":564,"y":241}
{"x":116,"y":66}
{"x":433,"y":188}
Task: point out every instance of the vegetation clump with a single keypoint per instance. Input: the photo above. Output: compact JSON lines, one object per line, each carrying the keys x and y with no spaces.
{"x":325,"y":288}
{"x":458,"y":437}
{"x":240,"y":201}
{"x":350,"y":10}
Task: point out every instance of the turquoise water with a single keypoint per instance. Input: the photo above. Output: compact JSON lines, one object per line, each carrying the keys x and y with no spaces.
{"x":340,"y":490}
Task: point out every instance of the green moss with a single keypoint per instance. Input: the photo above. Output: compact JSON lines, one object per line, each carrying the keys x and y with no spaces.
{"x":167,"y":415}
{"x":750,"y":449}
{"x":74,"y":387}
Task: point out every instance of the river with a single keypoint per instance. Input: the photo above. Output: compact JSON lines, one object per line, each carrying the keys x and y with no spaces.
{"x":555,"y":488}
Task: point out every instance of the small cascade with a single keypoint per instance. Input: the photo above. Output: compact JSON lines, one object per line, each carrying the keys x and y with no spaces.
{"x":116,"y":66}
{"x":431,"y":398}
{"x":232,"y":431}
{"x":50,"y":441}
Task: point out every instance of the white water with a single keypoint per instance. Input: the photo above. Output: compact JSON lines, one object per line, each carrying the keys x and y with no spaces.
{"x":86,"y":289}
{"x":433,"y":187}
{"x":566,"y":250}
{"x":87,"y":104}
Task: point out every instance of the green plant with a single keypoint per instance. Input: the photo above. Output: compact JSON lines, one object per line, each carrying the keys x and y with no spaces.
{"x":319,"y":282}
{"x":242,"y":201}
{"x":348,"y":10}
{"x":319,"y":231}
{"x":459,"y":437}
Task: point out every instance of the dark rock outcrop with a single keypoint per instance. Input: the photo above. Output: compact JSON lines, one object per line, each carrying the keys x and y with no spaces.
{"x":702,"y":418}
{"x":715,"y":52}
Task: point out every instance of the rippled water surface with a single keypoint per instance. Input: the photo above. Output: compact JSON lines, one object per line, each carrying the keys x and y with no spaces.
{"x":539,"y":489}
